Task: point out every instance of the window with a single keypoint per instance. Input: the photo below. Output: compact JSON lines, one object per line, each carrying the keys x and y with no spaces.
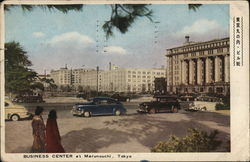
{"x":219,"y":50}
{"x":210,"y":51}
{"x":201,"y":53}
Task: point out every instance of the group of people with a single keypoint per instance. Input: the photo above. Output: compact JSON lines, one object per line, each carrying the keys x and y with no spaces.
{"x":46,"y":138}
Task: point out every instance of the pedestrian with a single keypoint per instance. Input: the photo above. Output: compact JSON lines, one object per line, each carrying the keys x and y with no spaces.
{"x":53,"y":139}
{"x":38,"y":131}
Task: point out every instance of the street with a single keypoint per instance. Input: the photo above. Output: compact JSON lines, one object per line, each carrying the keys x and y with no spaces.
{"x":127,"y":133}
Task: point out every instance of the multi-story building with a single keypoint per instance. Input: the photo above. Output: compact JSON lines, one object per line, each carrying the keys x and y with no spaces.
{"x":130,"y":79}
{"x":65,"y":76}
{"x":89,"y":79}
{"x":201,"y":67}
{"x":113,"y":80}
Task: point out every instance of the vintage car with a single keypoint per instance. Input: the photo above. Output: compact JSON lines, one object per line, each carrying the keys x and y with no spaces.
{"x":120,"y":98}
{"x":15,"y":112}
{"x":28,"y":99}
{"x":160,"y":104}
{"x":99,"y":106}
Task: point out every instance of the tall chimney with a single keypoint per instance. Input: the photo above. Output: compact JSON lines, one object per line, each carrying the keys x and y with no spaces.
{"x":187,"y":38}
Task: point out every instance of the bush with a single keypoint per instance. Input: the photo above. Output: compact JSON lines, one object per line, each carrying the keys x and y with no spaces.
{"x":222,"y":107}
{"x":197,"y":141}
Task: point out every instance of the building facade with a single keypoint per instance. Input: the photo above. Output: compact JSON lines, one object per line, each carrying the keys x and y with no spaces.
{"x":65,"y":76}
{"x":113,"y":80}
{"x":199,"y":67}
{"x":130,"y":79}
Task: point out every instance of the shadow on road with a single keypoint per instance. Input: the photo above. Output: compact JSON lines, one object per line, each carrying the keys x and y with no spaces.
{"x":148,"y":130}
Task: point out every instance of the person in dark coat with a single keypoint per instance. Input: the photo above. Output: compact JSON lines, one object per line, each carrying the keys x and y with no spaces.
{"x":53,"y":138}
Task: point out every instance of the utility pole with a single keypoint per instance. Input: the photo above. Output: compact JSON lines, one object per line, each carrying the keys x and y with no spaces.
{"x":97,"y":78}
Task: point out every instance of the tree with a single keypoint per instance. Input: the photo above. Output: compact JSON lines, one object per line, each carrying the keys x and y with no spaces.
{"x":50,"y":84}
{"x":196,"y":141}
{"x":122,"y":15}
{"x":19,"y":78}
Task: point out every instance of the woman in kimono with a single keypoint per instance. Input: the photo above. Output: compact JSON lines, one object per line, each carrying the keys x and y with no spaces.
{"x":38,"y":131}
{"x":53,"y":139}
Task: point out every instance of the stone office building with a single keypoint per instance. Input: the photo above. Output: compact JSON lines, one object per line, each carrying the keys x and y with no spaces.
{"x":199,"y":67}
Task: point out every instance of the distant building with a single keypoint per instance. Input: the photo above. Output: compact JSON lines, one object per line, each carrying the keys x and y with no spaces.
{"x":65,"y":76}
{"x":113,"y":80}
{"x":129,"y":79}
{"x":199,"y":67}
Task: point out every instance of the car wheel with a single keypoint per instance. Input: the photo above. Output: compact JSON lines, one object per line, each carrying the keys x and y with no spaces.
{"x":15,"y":117}
{"x":86,"y":114}
{"x":174,"y":110}
{"x":117,"y":112}
{"x":152,"y":111}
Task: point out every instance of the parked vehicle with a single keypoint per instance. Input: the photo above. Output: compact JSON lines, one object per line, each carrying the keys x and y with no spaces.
{"x":99,"y":106}
{"x":160,"y":104}
{"x":120,"y":98}
{"x":202,"y":106}
{"x":15,"y":112}
{"x":28,"y":99}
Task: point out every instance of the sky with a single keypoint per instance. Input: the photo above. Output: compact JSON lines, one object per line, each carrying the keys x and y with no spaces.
{"x":53,"y":39}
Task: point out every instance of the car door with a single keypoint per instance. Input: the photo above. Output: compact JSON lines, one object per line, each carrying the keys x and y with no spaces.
{"x":101,"y":107}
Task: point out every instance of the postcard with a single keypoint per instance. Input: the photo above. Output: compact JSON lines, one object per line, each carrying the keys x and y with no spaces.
{"x":124,"y":80}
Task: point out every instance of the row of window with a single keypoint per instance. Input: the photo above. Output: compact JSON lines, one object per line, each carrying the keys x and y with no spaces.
{"x":198,"y":47}
{"x":139,"y":72}
{"x":129,"y":80}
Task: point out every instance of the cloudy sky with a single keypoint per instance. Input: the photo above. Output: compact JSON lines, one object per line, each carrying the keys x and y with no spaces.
{"x":53,"y":39}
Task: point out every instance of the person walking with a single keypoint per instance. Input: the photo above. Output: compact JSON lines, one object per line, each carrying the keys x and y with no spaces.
{"x":53,"y":139}
{"x":38,"y":132}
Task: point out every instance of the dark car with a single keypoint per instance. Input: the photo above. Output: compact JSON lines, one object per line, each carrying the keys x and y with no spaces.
{"x":160,"y":104}
{"x":28,"y":99}
{"x":120,"y":98}
{"x":99,"y":106}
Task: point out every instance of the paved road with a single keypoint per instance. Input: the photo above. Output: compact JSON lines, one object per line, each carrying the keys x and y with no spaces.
{"x":129,"y":133}
{"x":63,"y":109}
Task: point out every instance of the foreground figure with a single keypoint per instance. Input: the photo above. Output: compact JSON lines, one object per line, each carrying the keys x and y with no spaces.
{"x":53,"y":138}
{"x":38,"y":131}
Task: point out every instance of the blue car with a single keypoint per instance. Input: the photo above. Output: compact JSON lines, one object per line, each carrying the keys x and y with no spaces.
{"x":99,"y":106}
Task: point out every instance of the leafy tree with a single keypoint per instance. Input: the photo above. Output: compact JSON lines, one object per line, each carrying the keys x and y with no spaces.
{"x":122,"y":15}
{"x":80,"y":88}
{"x":19,"y":78}
{"x":50,"y":82}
